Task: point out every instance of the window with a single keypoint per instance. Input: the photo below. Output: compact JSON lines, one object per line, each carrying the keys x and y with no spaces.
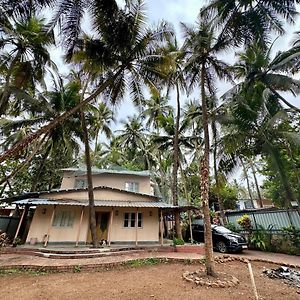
{"x":63,"y":218}
{"x":132,"y":186}
{"x":80,"y":184}
{"x":129,"y":220}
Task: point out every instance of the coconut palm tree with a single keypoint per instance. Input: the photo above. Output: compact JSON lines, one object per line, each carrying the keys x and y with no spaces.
{"x":260,"y":119}
{"x":172,"y":67}
{"x":202,"y":67}
{"x":24,"y":59}
{"x":124,"y":64}
{"x":154,"y":107}
{"x":132,"y":138}
{"x":102,"y":117}
{"x":249,"y":21}
{"x":64,"y":138}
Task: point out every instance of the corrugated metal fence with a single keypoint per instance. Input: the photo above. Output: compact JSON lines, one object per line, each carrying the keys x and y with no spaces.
{"x":267,"y":218}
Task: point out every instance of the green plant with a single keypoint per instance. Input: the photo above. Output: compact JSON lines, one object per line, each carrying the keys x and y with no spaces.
{"x":245,"y":222}
{"x":257,"y":239}
{"x":17,"y":241}
{"x":177,"y":241}
{"x":143,"y":262}
{"x":77,"y":269}
{"x":292,"y":234}
{"x":262,"y":238}
{"x":231,"y":226}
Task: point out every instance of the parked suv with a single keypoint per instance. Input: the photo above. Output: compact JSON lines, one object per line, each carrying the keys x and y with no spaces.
{"x":224,"y":240}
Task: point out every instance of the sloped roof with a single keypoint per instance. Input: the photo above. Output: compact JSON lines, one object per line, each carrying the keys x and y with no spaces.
{"x":82,"y":171}
{"x":32,"y":195}
{"x":106,"y":203}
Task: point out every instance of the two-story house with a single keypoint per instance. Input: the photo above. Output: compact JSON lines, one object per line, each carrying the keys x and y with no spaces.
{"x":127,"y":211}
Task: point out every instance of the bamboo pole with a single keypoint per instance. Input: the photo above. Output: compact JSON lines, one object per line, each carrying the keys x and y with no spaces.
{"x":49,"y":228}
{"x":253,"y":281}
{"x":20,"y":223}
{"x":79,"y":227}
{"x":161,"y":229}
{"x":136,"y":226}
{"x":110,"y":225}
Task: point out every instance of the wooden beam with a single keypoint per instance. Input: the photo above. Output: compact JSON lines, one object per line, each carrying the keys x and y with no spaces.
{"x":136,"y":226}
{"x":79,"y":227}
{"x":20,"y":223}
{"x":110,"y":225}
{"x":49,"y":227}
{"x":161,"y":229}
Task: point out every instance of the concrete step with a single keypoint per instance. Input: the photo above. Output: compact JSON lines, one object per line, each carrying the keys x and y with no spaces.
{"x":84,"y":255}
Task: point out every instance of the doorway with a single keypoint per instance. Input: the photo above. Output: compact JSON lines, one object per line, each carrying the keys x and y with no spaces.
{"x":102,"y":219}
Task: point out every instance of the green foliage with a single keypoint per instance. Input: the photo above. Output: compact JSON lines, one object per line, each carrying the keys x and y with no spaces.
{"x":287,"y":241}
{"x":178,"y":242}
{"x":227,"y":193}
{"x":77,"y":269}
{"x":143,"y":262}
{"x":292,"y":234}
{"x":273,"y":185}
{"x":245,"y":222}
{"x":261,"y":238}
{"x":231,"y":226}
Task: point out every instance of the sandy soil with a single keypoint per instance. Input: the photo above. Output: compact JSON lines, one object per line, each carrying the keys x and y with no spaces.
{"x":162,"y":281}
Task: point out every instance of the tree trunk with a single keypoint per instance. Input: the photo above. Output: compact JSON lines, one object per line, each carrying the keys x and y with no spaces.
{"x":248,"y":183}
{"x":90,"y":183}
{"x":175,"y":167}
{"x":37,"y":176}
{"x":25,"y":142}
{"x":220,"y":201}
{"x":256,"y":184}
{"x":188,"y":199}
{"x":204,"y":183}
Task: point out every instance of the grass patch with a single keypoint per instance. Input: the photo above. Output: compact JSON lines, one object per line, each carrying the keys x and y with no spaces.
{"x":11,"y":272}
{"x":143,"y":262}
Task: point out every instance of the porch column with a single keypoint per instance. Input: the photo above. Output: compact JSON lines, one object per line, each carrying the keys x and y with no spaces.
{"x":110,"y":225}
{"x":136,"y":226}
{"x":79,"y":227}
{"x":20,"y":222}
{"x":49,"y":227}
{"x":161,"y":229}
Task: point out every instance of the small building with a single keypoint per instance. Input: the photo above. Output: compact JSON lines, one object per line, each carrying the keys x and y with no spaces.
{"x":127,"y":211}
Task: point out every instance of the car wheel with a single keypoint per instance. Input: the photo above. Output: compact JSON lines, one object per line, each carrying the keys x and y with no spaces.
{"x":221,"y":246}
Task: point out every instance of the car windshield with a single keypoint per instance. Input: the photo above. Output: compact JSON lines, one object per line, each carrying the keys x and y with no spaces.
{"x":222,"y":229}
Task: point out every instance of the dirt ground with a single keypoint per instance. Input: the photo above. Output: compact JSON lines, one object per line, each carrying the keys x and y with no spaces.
{"x":163,"y":281}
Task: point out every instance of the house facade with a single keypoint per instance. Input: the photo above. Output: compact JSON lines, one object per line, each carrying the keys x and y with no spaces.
{"x":127,"y":212}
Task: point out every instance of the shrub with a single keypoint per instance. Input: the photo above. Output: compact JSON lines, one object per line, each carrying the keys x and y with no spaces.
{"x":177,"y":241}
{"x":245,"y":222}
{"x":231,"y":226}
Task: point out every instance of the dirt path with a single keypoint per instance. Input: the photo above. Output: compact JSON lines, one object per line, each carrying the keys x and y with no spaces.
{"x":162,"y":281}
{"x":21,"y":259}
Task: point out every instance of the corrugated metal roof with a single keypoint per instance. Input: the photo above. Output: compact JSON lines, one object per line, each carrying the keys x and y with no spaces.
{"x":95,"y":170}
{"x":106,"y":203}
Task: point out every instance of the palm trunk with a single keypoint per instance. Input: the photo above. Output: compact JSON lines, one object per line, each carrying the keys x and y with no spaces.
{"x":256,"y":184}
{"x":90,"y":182}
{"x":220,"y":201}
{"x":204,"y":183}
{"x":25,"y":142}
{"x":175,"y":168}
{"x":39,"y":171}
{"x":188,"y":199}
{"x":248,"y":183}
